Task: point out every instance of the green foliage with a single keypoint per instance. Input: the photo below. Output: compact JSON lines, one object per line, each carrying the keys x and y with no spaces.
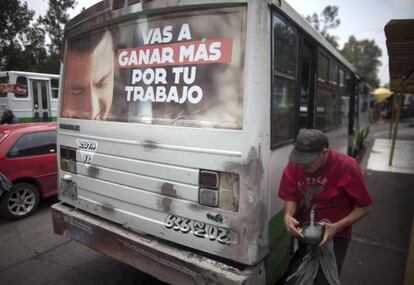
{"x":360,"y":137}
{"x":54,"y":23}
{"x":15,"y":20}
{"x":333,"y":40}
{"x":22,"y":40}
{"x":329,"y":16}
{"x":34,"y":53}
{"x":364,"y":55}
{"x":326,"y":20}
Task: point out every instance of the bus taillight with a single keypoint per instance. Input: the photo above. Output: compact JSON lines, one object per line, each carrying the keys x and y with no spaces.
{"x":209,"y":183}
{"x":209,"y":179}
{"x":219,"y":189}
{"x":68,"y":159}
{"x":229,"y":191}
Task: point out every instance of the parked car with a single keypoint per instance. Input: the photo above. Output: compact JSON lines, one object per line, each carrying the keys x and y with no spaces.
{"x":28,"y":161}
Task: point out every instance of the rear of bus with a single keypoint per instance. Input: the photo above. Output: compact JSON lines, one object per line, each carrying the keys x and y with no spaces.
{"x":156,"y":132}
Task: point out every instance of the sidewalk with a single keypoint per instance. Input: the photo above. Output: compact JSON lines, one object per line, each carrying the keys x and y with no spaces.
{"x":378,"y":252}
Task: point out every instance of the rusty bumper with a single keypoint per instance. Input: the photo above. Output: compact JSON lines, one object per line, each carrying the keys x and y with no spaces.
{"x":160,"y":259}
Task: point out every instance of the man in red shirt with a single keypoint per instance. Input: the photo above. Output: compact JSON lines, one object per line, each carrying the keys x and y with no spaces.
{"x":330,"y":183}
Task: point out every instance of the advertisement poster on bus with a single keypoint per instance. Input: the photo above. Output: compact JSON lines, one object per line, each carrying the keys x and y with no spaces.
{"x":17,"y":89}
{"x":183,"y":69}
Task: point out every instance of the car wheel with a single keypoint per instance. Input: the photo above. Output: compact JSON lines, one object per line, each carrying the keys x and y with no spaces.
{"x":21,"y":201}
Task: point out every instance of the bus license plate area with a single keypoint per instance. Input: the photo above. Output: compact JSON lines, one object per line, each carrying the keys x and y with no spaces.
{"x":198,"y":229}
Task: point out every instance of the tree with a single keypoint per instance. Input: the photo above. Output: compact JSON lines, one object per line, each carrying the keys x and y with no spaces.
{"x":326,"y":20}
{"x":364,"y":55}
{"x":54,"y":22}
{"x":15,"y":19}
{"x":34,"y":53}
{"x":22,"y":41}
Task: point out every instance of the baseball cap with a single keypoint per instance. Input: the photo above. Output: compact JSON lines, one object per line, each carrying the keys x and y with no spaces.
{"x":308,"y":145}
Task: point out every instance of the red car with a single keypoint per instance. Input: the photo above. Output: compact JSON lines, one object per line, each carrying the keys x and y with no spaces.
{"x":27,"y":164}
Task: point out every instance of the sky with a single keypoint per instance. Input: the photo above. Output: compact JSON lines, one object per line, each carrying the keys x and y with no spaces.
{"x":364,"y":19}
{"x":40,"y":6}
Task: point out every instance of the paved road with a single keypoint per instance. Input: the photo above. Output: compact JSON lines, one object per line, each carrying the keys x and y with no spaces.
{"x":378,"y":252}
{"x":30,"y":253}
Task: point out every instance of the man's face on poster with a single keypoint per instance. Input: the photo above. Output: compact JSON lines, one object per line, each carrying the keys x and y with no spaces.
{"x":89,"y":81}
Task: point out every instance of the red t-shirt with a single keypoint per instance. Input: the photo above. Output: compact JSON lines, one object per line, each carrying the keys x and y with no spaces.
{"x":338,"y":187}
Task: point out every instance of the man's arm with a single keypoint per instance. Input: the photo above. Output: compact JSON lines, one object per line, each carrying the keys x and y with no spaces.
{"x":292,"y":225}
{"x":354,"y":216}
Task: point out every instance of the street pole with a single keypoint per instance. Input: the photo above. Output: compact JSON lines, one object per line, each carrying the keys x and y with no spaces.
{"x":392,"y":116}
{"x":397,"y":118}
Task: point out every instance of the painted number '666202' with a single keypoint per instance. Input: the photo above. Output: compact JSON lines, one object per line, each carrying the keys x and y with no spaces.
{"x":198,"y":229}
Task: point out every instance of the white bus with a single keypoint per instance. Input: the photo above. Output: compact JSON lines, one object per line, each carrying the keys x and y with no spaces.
{"x":175,"y":123}
{"x":30,"y":96}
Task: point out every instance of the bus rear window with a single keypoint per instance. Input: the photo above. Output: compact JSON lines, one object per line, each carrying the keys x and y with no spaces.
{"x":183,"y":69}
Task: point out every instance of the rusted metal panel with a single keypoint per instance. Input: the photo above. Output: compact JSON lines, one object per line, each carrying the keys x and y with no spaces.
{"x":158,"y":258}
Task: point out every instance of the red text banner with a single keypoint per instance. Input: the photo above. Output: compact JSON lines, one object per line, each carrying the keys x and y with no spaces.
{"x":187,"y":53}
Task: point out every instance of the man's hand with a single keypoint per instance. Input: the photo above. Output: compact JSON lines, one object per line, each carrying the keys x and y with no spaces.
{"x":292,"y":226}
{"x":330,"y":231}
